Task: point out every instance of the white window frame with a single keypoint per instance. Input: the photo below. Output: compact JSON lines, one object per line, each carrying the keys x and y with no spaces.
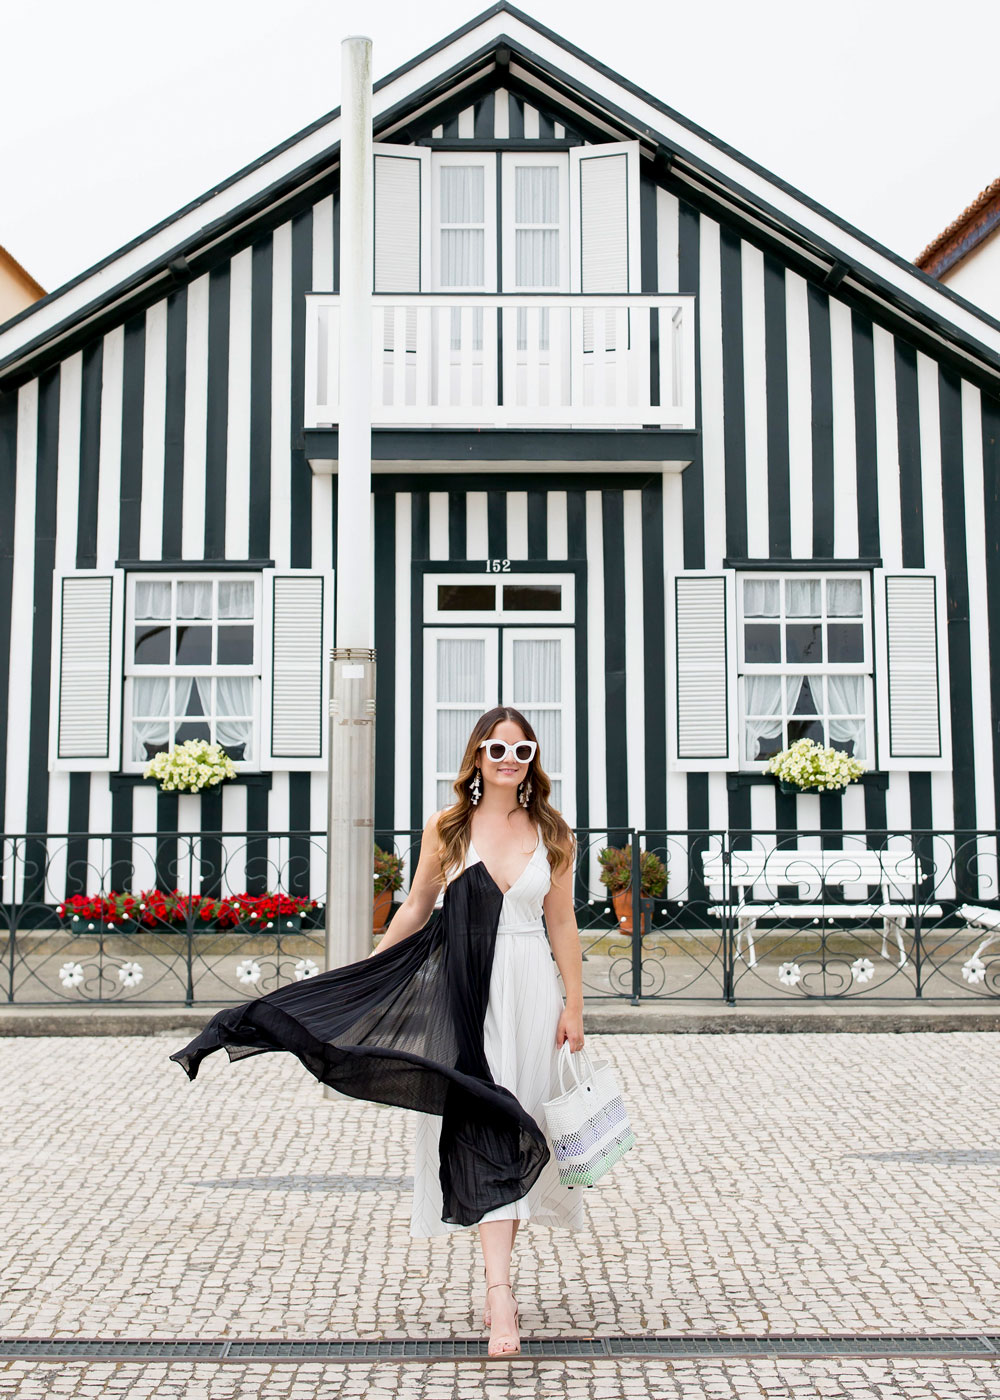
{"x":497,"y":615}
{"x":134,"y":669}
{"x":509,"y":225}
{"x":565,"y":775}
{"x":864,"y":668}
{"x":441,"y":159}
{"x":432,"y":635}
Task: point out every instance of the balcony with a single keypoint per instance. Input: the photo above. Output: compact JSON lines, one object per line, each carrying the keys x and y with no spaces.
{"x":519,"y":361}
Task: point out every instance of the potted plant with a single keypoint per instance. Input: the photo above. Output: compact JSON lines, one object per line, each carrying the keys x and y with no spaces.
{"x":388,"y":879}
{"x":807,"y":766}
{"x":190,"y":766}
{"x":616,"y":876}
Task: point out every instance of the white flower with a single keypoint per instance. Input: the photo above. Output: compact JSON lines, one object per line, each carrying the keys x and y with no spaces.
{"x":130,"y":974}
{"x":862,"y":969}
{"x":305,"y":967}
{"x":248,"y":970}
{"x":71,"y":974}
{"x":974,"y":970}
{"x":789,"y":973}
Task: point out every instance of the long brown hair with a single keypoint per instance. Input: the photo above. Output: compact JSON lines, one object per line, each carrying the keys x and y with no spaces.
{"x":455,"y":823}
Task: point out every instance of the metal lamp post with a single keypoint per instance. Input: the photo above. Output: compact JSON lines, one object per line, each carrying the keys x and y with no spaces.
{"x":350,"y":811}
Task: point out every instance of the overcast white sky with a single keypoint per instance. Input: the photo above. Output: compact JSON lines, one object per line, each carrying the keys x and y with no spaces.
{"x":115,"y":113}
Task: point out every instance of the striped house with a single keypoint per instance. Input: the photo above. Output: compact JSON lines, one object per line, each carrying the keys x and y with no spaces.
{"x":665,"y":453}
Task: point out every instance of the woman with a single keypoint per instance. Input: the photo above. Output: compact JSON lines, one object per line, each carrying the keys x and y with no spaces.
{"x":457,"y":1013}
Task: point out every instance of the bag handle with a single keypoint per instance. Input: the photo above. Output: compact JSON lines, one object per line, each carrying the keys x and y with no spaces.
{"x":569,"y":1058}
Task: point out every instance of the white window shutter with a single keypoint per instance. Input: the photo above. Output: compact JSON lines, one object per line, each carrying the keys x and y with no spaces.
{"x":911,"y":665}
{"x":604,"y":222}
{"x":402,"y":218}
{"x":86,"y":685}
{"x":703,"y":689}
{"x":298,"y":635}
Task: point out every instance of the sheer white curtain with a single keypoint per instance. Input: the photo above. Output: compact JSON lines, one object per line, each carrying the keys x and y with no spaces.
{"x":846,"y":696}
{"x":461,"y":682}
{"x":537,"y":692}
{"x":463,"y":250}
{"x":194,"y":598}
{"x":762,"y":711}
{"x":151,"y":706}
{"x":843,"y":597}
{"x":761,"y":597}
{"x":152,"y":599}
{"x":236,"y":598}
{"x":234,"y":711}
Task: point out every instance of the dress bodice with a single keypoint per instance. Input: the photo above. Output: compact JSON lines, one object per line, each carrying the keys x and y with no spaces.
{"x":522,"y":903}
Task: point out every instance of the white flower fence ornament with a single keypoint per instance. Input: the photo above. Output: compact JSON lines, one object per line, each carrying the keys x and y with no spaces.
{"x":190,"y":766}
{"x":305,"y":967}
{"x":807,"y":764}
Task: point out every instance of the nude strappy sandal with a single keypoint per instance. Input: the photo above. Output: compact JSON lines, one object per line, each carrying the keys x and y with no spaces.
{"x":496,"y":1347}
{"x":487,"y":1312}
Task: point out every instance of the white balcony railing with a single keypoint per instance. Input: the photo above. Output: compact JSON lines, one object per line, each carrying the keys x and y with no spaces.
{"x":547,"y":361}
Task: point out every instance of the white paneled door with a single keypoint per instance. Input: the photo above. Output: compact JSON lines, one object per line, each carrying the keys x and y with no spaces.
{"x":466,"y":669}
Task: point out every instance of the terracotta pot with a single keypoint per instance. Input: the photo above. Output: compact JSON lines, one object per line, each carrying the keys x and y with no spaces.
{"x":622,"y":901}
{"x":380,"y":911}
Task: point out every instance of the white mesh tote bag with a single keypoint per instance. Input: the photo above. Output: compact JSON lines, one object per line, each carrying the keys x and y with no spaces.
{"x":588,"y":1123}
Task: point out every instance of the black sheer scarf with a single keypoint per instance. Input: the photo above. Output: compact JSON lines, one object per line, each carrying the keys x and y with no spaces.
{"x":406,"y":1028}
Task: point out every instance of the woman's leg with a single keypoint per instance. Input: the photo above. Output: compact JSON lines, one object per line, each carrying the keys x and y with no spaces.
{"x":497,"y":1238}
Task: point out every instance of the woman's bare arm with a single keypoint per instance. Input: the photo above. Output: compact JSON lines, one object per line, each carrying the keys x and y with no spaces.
{"x":564,"y":936}
{"x":418,"y":905}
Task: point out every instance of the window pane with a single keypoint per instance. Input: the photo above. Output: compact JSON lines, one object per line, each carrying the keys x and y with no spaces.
{"x":846,"y":641}
{"x":235,"y":598}
{"x":845,"y":695}
{"x":461,"y":671}
{"x":802,"y":597}
{"x":537,"y":672}
{"x":843,"y":597}
{"x":803,"y":698}
{"x":462,"y":191}
{"x":555,"y":796}
{"x":462,"y":257}
{"x":536,"y":257}
{"x":194,"y":599}
{"x":192,"y":729}
{"x":152,"y":599}
{"x":536,"y":194}
{"x":453,"y":730}
{"x":467,"y":597}
{"x":804,"y":642}
{"x":194,"y":646}
{"x":445,"y":793}
{"x":235,"y":646}
{"x":532,"y":597}
{"x":766,"y":744}
{"x":547,"y":724}
{"x":761,"y":597}
{"x":762,"y":643}
{"x":805,"y":729}
{"x":152,"y":646}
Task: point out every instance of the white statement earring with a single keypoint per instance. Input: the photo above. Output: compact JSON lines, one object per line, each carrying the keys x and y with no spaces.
{"x":525,"y":794}
{"x":474,"y":789}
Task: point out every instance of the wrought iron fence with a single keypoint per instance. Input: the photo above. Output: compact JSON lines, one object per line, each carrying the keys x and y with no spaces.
{"x":210,"y":918}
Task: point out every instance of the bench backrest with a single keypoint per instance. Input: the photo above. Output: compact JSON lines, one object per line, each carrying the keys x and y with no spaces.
{"x":895,"y":871}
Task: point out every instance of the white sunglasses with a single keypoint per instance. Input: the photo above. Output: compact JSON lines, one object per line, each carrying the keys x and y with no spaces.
{"x":497,"y":751}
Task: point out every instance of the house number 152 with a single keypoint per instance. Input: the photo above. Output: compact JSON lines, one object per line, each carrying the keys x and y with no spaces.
{"x":498,"y":566}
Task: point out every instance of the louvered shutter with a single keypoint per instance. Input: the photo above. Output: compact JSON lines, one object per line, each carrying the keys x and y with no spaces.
{"x":703,"y":721}
{"x":604,"y":223}
{"x":86,"y":685}
{"x":402,"y":230}
{"x":298,"y":635}
{"x":913,"y":729}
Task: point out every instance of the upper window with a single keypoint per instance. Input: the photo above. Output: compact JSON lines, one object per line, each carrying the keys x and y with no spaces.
{"x":805,"y":663}
{"x":192,"y":664}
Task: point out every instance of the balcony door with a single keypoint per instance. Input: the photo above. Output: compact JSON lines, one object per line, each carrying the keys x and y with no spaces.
{"x":535,"y":260}
{"x":464,"y":260}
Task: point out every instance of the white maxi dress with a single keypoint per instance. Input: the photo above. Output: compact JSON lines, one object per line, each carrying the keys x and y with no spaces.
{"x":519,"y":1037}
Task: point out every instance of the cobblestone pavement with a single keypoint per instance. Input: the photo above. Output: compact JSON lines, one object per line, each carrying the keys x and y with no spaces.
{"x":781,"y":1182}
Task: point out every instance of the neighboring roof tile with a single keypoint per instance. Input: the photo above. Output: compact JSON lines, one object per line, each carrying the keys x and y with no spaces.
{"x":953,"y":242}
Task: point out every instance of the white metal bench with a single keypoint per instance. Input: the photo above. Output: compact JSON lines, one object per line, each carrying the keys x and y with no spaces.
{"x":893,"y":873}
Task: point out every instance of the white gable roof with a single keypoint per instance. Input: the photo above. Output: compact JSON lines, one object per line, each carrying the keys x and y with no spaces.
{"x":548,"y":62}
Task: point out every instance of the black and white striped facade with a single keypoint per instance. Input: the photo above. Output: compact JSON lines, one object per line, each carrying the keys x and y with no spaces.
{"x":847,"y":425}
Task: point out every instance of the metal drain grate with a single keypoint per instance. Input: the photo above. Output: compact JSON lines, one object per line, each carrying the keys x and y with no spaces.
{"x":550,"y":1348}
